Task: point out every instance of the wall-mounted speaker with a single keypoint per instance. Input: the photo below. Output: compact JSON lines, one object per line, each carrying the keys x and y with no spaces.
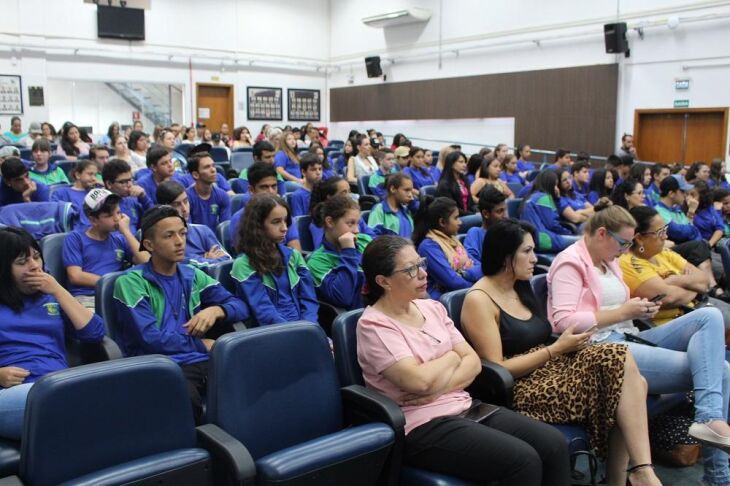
{"x":615,"y":37}
{"x":372,"y":65}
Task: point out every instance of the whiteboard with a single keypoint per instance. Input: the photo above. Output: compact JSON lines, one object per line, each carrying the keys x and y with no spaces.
{"x":471,"y":133}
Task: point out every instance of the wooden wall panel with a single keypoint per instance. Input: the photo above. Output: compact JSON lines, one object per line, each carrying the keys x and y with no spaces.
{"x":573,"y":108}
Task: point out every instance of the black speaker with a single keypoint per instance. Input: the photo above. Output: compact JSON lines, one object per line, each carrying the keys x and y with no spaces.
{"x":615,"y":36}
{"x":372,"y":64}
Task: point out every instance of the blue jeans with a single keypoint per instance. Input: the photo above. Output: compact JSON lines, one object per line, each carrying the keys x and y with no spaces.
{"x":12,"y":410}
{"x":690,"y":355}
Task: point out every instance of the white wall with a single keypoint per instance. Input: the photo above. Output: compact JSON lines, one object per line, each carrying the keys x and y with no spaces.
{"x":284,"y":40}
{"x":570,"y":33}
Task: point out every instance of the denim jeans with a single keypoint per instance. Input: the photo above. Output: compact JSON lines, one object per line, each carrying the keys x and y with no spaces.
{"x":690,"y":355}
{"x":12,"y":410}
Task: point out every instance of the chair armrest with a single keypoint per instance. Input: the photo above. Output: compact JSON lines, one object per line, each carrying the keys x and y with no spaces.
{"x":362,"y":405}
{"x":231,"y":459}
{"x":494,"y":384}
{"x":239,"y":326}
{"x":644,"y":324}
{"x":11,"y":481}
{"x":106,"y":350}
{"x":571,"y":226}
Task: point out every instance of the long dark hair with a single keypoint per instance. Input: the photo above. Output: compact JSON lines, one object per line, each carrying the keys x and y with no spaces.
{"x":430,"y":214}
{"x":322,"y":191}
{"x":564,"y":192}
{"x":716,"y":172}
{"x":626,"y":188}
{"x":694,"y":169}
{"x":598,"y":182}
{"x":546,"y":181}
{"x":500,"y":244}
{"x":69,"y":148}
{"x":706,"y":195}
{"x":334,"y":207}
{"x":252,"y":240}
{"x":643,"y":216}
{"x":448,"y":173}
{"x":15,"y":242}
{"x":379,"y":259}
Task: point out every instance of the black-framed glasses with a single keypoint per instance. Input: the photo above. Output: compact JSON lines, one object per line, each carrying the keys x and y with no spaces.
{"x":658,"y":233}
{"x":624,"y":244}
{"x":412,"y":271}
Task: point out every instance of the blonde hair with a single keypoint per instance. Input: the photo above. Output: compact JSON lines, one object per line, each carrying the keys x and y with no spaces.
{"x":292,"y":154}
{"x":613,"y":218}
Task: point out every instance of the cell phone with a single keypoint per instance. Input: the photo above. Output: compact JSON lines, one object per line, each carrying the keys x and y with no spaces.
{"x":479,"y":411}
{"x":657,"y":298}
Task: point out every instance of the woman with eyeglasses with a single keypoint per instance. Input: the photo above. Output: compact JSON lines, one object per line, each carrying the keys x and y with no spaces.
{"x":650,"y":270}
{"x":411,"y":352}
{"x":586,"y":290}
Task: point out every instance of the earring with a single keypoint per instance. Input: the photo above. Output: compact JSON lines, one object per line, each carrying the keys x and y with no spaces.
{"x":641,"y":249}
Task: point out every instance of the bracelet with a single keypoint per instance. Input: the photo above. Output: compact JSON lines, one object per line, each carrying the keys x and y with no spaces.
{"x":550,"y":355}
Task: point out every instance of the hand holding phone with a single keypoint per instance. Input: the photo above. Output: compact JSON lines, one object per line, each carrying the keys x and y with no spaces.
{"x":657,"y":298}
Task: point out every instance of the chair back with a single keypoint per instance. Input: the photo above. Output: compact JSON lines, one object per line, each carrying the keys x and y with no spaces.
{"x":454,"y":301}
{"x":237,"y":185}
{"x":362,"y":185}
{"x":515,"y":187}
{"x":222,"y":232}
{"x":81,"y":420}
{"x":305,"y":236}
{"x":273,"y":387}
{"x":219,"y":154}
{"x":513,"y":207}
{"x":184,"y":149}
{"x":540,"y":289}
{"x":52,"y":249}
{"x":67,"y":166}
{"x":222,"y":273}
{"x":238,"y":201}
{"x":54,"y":187}
{"x":105,"y":304}
{"x":429,"y":190}
{"x":469,"y":221}
{"x":40,"y":218}
{"x":724,"y":249}
{"x":344,"y":340}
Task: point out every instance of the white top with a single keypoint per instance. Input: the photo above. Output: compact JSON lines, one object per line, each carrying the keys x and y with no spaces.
{"x":137,"y":161}
{"x":613,"y":296}
{"x":365,"y":167}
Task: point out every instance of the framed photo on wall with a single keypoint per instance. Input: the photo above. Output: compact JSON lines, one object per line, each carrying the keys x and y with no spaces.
{"x":264,"y":103}
{"x":11,"y":95}
{"x":304,"y":105}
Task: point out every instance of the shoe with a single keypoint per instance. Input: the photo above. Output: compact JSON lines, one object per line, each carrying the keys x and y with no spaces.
{"x":704,"y":434}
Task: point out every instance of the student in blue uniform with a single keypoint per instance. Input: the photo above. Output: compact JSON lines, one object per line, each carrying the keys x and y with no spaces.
{"x":188,"y":180}
{"x":202,"y":248}
{"x":286,"y":159}
{"x":42,"y":170}
{"x":572,"y":206}
{"x":335,"y":265}
{"x":659,"y":172}
{"x":16,"y":185}
{"x":161,"y":170}
{"x":36,"y":314}
{"x":581,"y":177}
{"x":449,"y":266}
{"x":601,"y":186}
{"x":312,"y":172}
{"x":263,"y":151}
{"x":418,"y":170}
{"x":376,"y":183}
{"x":523,"y":153}
{"x":493,"y":208}
{"x":392,"y":216}
{"x":117,"y":177}
{"x":209,"y":205}
{"x":562,"y":159}
{"x":509,"y":173}
{"x":84,"y":175}
{"x":272,"y":278}
{"x":104,"y":247}
{"x":167,"y":307}
{"x":708,"y":220}
{"x":334,"y":186}
{"x":541,"y":210}
{"x":262,"y":178}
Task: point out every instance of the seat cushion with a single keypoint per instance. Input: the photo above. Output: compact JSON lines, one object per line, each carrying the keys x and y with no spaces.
{"x":9,"y":457}
{"x":146,"y":467}
{"x":410,"y":476}
{"x":656,"y":404}
{"x":325,"y":451}
{"x":575,"y":435}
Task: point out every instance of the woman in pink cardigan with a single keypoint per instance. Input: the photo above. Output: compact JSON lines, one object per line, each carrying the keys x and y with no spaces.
{"x":585,"y":287}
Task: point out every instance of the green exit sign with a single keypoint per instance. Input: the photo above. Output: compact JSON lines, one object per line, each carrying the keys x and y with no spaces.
{"x":681,"y":103}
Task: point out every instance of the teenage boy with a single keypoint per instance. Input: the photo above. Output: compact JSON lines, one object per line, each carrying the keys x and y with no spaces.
{"x":312,"y":171}
{"x":17,"y":186}
{"x":117,"y":177}
{"x":493,"y":208}
{"x":42,"y":171}
{"x":161,"y":170}
{"x":187,"y":179}
{"x":262,"y":177}
{"x":202,"y":247}
{"x":562,"y":159}
{"x":581,"y":171}
{"x":84,"y":175}
{"x":167,"y":307}
{"x":652,"y":194}
{"x":401,"y":156}
{"x":209,"y":205}
{"x":386,"y":159}
{"x":263,"y":151}
{"x":100,"y":155}
{"x":105,"y":246}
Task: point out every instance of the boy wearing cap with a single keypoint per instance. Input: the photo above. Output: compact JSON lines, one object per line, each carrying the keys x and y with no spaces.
{"x":17,"y":186}
{"x":42,"y":170}
{"x":8,"y":152}
{"x":99,"y":249}
{"x":167,"y":307}
{"x":209,"y":205}
{"x":117,"y":177}
{"x":401,"y":156}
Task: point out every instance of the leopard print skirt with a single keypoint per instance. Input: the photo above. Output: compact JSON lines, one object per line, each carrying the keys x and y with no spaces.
{"x":576,"y":388}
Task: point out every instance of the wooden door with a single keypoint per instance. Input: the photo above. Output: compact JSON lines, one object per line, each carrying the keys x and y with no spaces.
{"x":679,"y":135}
{"x":215,"y":104}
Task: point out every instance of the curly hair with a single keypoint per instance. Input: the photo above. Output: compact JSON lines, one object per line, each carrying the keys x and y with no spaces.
{"x":262,"y":252}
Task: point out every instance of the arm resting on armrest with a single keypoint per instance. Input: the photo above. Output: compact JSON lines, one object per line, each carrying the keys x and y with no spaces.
{"x":227,"y":452}
{"x":494,"y":384}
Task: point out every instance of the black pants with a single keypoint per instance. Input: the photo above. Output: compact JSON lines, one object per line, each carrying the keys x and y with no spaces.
{"x":196,"y":376}
{"x":506,"y":448}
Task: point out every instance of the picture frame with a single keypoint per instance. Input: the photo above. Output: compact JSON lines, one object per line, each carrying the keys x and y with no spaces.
{"x":11,"y":95}
{"x":304,"y":105}
{"x":264,"y":104}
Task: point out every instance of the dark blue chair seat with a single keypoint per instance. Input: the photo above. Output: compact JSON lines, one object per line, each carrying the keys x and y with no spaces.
{"x":469,"y":221}
{"x":513,"y":207}
{"x":9,"y":457}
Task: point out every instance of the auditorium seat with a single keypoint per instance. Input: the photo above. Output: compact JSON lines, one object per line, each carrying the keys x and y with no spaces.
{"x":237,"y":202}
{"x":224,"y":236}
{"x":219,"y":154}
{"x":241,"y":160}
{"x":40,"y":218}
{"x":305,"y":236}
{"x":105,"y":304}
{"x":469,"y":221}
{"x":52,"y":250}
{"x":274,"y":390}
{"x":362,"y":185}
{"x":120,"y":422}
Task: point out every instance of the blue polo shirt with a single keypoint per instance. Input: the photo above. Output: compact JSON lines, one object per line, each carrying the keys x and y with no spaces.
{"x":148,"y":183}
{"x":300,"y":202}
{"x":708,"y":221}
{"x":9,"y":196}
{"x":94,"y":256}
{"x":135,"y":208}
{"x":75,"y":197}
{"x":212,"y":211}
{"x":292,"y":167}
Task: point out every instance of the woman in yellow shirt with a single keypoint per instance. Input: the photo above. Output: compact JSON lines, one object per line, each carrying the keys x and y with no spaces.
{"x":649,"y":270}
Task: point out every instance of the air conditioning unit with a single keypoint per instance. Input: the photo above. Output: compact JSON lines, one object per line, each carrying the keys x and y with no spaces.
{"x":411,"y":15}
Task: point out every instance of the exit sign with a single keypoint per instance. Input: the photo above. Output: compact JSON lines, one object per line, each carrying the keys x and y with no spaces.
{"x":681,"y":103}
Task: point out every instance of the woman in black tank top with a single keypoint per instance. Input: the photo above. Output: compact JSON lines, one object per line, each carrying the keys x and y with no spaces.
{"x":566,"y":381}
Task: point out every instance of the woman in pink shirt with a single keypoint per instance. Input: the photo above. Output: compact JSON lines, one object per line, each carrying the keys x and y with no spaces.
{"x":586,"y":289}
{"x":410,"y":351}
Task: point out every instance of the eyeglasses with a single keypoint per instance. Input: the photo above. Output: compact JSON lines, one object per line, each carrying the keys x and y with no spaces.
{"x":658,"y":233}
{"x":412,"y":271}
{"x":624,"y":244}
